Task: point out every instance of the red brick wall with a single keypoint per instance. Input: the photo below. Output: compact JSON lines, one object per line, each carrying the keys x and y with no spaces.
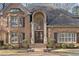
{"x":52,"y":30}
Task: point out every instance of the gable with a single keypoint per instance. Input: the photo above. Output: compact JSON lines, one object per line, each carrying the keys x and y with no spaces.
{"x":16,"y":6}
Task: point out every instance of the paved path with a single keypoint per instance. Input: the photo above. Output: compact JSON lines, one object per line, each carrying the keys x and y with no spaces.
{"x":57,"y":52}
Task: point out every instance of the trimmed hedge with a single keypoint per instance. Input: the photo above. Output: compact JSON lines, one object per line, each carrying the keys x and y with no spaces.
{"x":64,"y":45}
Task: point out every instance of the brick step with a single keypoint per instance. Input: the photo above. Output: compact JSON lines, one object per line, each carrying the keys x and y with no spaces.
{"x":37,"y":45}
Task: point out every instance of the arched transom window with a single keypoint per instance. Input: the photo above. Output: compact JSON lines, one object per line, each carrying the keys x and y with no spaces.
{"x":15,"y":10}
{"x":38,"y":21}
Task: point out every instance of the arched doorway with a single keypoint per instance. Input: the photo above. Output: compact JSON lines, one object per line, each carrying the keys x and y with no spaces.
{"x":38,"y":27}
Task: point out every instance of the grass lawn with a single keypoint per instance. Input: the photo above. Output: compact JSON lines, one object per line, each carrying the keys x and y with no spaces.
{"x":12,"y":51}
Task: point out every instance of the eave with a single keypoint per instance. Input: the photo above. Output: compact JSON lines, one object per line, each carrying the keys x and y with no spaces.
{"x":63,"y":26}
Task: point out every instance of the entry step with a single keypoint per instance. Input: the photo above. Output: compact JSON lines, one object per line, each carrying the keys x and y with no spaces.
{"x":38,"y":45}
{"x":38,"y":49}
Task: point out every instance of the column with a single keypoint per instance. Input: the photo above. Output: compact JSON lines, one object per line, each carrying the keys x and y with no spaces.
{"x":4,"y":37}
{"x":45,"y":32}
{"x":32,"y":29}
{"x":9,"y":38}
{"x":9,"y":30}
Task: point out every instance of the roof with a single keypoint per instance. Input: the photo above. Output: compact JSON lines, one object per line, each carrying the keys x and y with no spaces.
{"x":54,"y":16}
{"x":57,"y":16}
{"x":64,"y":19}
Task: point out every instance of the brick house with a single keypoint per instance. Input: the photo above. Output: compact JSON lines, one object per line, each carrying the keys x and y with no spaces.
{"x":38,"y":24}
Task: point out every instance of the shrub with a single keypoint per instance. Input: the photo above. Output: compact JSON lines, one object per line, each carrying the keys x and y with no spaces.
{"x":15,"y":47}
{"x":5,"y":46}
{"x":70,"y":45}
{"x":76,"y":46}
{"x":10,"y":46}
{"x":51,"y":44}
{"x":26,"y":43}
{"x":0,"y":44}
{"x":63,"y":45}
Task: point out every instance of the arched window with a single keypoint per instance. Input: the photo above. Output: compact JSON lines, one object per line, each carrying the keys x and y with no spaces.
{"x":38,"y":21}
{"x":15,"y":10}
{"x":75,"y":10}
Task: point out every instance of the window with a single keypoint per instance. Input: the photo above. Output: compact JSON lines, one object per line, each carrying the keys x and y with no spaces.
{"x":14,"y":37}
{"x":14,"y":21}
{"x":17,"y":37}
{"x":21,"y":22}
{"x":66,"y":37}
{"x":21,"y":37}
{"x":14,"y":10}
{"x":17,"y":21}
{"x":75,"y":10}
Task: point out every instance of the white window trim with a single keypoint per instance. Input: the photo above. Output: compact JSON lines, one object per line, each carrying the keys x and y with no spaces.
{"x":17,"y":38}
{"x":17,"y":21}
{"x":14,"y":39}
{"x":72,"y":40}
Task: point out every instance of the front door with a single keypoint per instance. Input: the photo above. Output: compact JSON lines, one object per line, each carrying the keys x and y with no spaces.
{"x":39,"y":36}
